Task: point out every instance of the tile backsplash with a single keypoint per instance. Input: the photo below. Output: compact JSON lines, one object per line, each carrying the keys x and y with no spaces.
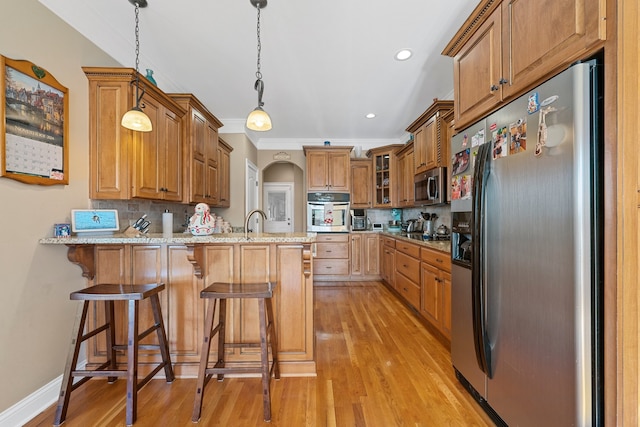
{"x":130,"y":210}
{"x":384,"y":215}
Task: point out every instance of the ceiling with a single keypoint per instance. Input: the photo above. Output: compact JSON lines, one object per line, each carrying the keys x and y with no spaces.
{"x":325,"y":64}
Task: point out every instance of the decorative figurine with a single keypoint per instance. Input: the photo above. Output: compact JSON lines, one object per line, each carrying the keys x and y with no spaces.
{"x":202,"y":223}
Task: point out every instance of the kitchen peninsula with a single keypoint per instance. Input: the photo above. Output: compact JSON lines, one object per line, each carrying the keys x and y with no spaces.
{"x":186,"y":264}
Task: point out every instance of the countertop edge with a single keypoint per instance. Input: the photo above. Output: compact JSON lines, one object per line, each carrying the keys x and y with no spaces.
{"x":438,"y":245}
{"x":181,"y":238}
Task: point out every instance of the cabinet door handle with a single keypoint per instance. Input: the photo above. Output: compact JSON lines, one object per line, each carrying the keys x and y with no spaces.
{"x":439,"y":260}
{"x":494,"y":88}
{"x":503,"y":81}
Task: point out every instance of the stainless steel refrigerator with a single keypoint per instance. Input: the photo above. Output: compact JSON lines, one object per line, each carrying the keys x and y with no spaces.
{"x":527,"y":255}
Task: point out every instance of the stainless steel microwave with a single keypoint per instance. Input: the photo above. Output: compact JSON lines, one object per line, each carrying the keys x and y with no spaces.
{"x":431,"y":187}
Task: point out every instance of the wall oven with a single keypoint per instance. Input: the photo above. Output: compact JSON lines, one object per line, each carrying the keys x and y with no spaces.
{"x":328,"y":212}
{"x":431,"y":187}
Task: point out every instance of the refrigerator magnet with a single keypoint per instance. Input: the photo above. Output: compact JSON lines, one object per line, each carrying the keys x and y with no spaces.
{"x":533,"y":105}
{"x":461,"y":161}
{"x":550,"y":100}
{"x":500,"y":148}
{"x":518,"y":136}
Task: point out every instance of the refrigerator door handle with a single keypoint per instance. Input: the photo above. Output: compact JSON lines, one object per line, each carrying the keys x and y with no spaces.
{"x":481,"y":342}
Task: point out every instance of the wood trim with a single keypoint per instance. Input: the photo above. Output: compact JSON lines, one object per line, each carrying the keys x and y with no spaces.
{"x":628,"y":215}
{"x":439,"y":106}
{"x":468,"y":29}
{"x":83,"y":256}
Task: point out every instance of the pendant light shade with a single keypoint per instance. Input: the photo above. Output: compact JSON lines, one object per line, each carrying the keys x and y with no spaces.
{"x":136,"y":119}
{"x":258,"y":119}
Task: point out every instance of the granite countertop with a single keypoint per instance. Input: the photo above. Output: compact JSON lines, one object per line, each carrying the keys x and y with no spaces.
{"x":180,"y":238}
{"x":439,"y":245}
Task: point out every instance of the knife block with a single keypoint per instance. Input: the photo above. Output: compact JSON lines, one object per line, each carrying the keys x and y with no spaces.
{"x":132,"y":232}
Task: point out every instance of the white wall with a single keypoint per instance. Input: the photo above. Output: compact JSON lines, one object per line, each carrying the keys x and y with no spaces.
{"x":36,"y":315}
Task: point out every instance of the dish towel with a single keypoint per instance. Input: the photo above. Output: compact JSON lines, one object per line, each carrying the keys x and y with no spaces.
{"x":328,"y":213}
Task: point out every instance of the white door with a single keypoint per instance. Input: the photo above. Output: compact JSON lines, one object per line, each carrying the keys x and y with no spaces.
{"x":278,"y":205}
{"x":251,"y":192}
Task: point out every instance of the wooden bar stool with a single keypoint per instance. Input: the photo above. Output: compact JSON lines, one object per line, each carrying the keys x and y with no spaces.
{"x":220,"y":292}
{"x":110,"y":293}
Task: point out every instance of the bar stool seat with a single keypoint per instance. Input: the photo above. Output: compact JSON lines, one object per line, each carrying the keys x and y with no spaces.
{"x":218,"y":293}
{"x":109,"y":293}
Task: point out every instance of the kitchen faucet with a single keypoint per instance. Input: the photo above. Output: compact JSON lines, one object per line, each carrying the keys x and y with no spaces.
{"x":246,"y":221}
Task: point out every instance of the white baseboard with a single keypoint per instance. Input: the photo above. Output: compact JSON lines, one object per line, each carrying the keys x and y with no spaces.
{"x":29,"y":407}
{"x":32,"y":405}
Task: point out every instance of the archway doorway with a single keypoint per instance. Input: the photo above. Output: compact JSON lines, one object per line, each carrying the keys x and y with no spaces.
{"x":283,"y":172}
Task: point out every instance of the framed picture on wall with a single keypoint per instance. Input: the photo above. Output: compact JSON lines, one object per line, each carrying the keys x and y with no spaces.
{"x":34,"y":143}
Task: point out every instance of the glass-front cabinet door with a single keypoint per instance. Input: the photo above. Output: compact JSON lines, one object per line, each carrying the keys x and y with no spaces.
{"x":384,"y":179}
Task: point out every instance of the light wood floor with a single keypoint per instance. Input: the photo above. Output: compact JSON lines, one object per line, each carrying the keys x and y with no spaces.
{"x":377,"y":366}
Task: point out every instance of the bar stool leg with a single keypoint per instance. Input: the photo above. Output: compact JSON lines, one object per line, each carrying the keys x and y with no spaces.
{"x":222,"y":322}
{"x":111,"y":338}
{"x":264,"y":361}
{"x":273,"y":340}
{"x":72,"y":360}
{"x":162,"y":338}
{"x":204,"y":361}
{"x":132,"y":363}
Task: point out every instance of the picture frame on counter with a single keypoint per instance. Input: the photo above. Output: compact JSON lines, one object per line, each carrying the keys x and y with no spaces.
{"x":34,"y":124}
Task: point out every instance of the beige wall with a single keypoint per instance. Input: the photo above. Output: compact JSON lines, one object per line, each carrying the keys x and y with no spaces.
{"x":36,"y":316}
{"x":242,"y":149}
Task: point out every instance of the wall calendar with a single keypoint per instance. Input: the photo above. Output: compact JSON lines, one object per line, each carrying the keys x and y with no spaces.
{"x":33,"y":124}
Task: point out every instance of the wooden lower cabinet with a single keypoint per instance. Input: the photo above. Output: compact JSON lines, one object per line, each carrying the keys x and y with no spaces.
{"x":364,"y":256}
{"x":435,"y":270}
{"x":388,"y":260}
{"x":183,"y":309}
{"x":422,"y":277}
{"x":331,"y":261}
{"x":408,"y":272}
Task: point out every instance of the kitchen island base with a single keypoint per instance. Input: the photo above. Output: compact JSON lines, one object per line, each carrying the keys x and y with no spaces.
{"x":186,"y":266}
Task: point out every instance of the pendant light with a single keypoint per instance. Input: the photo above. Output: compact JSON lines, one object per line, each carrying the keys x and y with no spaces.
{"x":258,"y":119}
{"x":135,"y":119}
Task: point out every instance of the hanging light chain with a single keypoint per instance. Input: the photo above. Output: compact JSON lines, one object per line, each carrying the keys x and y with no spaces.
{"x":258,"y":73}
{"x":137,"y":37}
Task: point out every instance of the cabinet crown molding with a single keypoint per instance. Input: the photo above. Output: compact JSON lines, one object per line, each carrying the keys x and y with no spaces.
{"x":468,"y":29}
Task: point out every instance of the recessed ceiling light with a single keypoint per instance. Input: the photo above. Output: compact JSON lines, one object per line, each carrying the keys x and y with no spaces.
{"x":370,"y":116}
{"x":403,"y":54}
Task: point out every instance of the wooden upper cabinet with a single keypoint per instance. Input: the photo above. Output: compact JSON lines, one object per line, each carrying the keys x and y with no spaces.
{"x":431,"y":148}
{"x":224,"y":171}
{"x":568,"y":30}
{"x":477,"y":71}
{"x":201,"y":151}
{"x":405,"y":180}
{"x":157,"y":166}
{"x":361,"y":182}
{"x":385,"y":175}
{"x":507,"y":47}
{"x":328,"y":168}
{"x":125,"y":164}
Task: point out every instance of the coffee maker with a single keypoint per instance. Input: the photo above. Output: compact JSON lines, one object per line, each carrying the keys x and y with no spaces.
{"x":358,"y":219}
